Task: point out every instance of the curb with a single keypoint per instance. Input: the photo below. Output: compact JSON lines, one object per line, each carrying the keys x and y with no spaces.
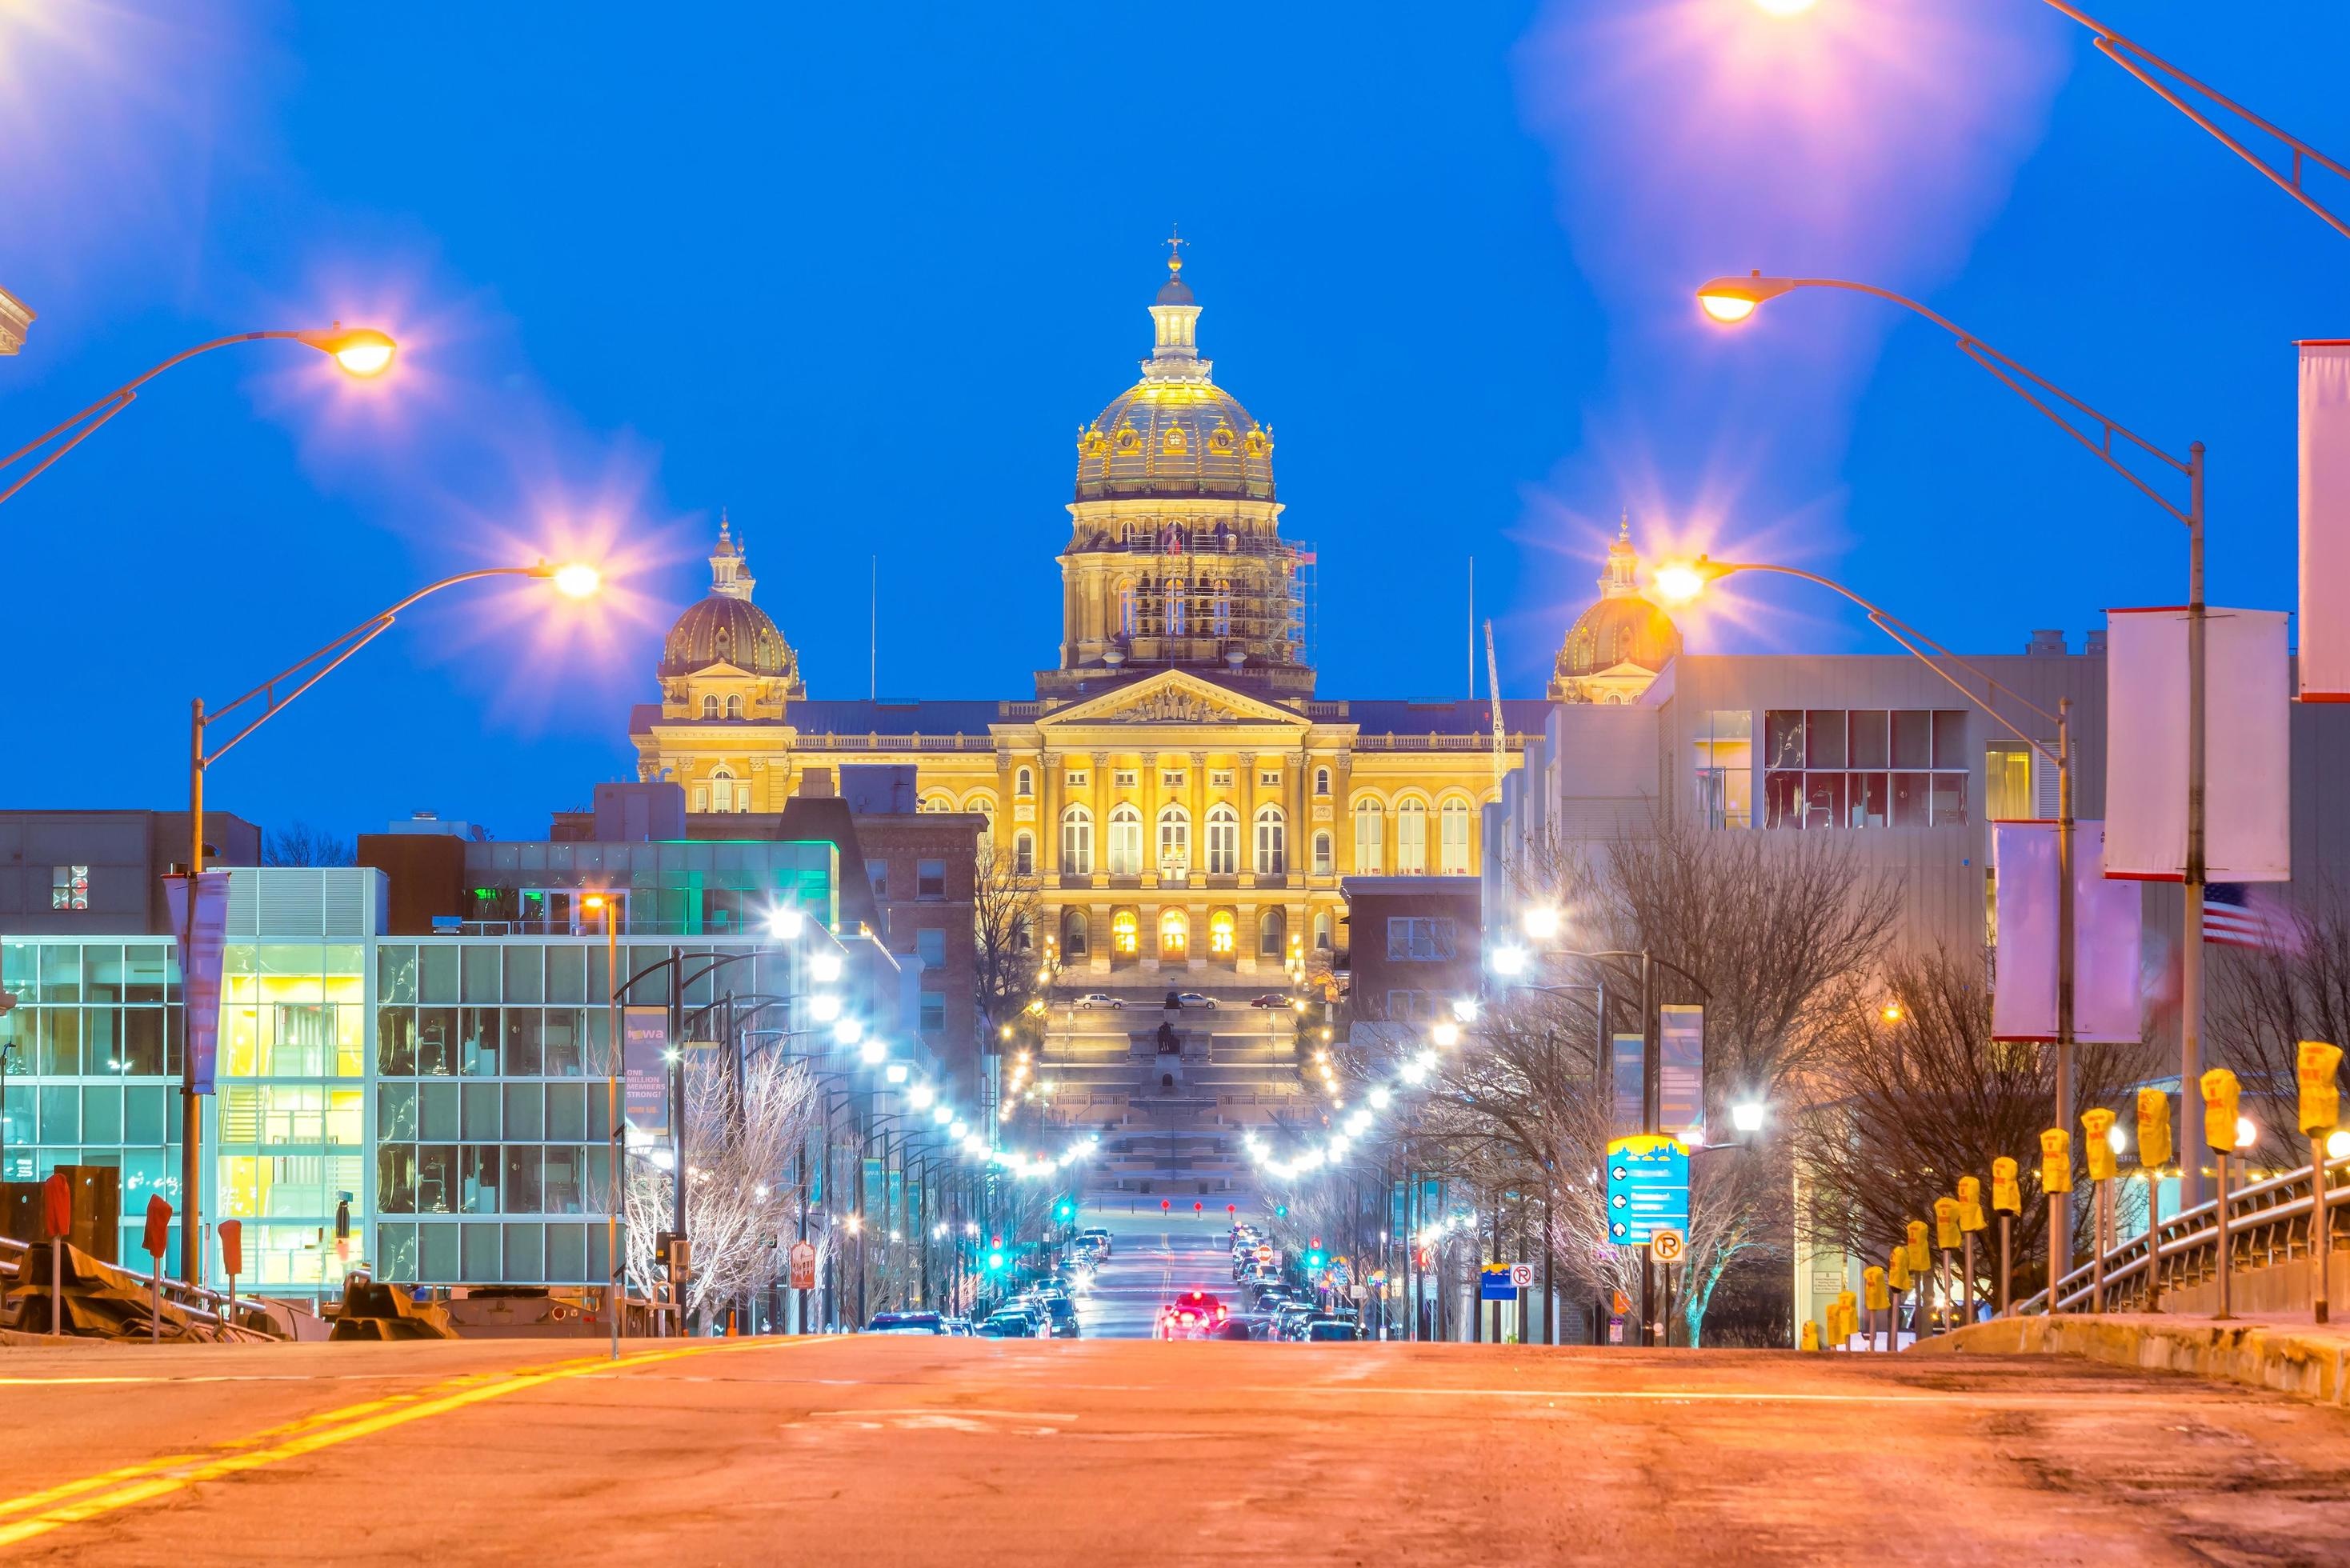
{"x":2307,"y":1363}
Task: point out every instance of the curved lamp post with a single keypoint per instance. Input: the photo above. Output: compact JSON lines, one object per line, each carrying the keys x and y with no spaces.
{"x":1732,"y":300}
{"x":361,"y":351}
{"x":574,"y":581}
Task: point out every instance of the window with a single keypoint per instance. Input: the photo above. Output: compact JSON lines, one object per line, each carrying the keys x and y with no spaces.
{"x":1219,"y":778}
{"x":1124,"y":778}
{"x":1126,"y":607}
{"x":1024,"y":784}
{"x":702,"y":797}
{"x":1272,"y":930}
{"x":1175,"y":840}
{"x":1870,"y":768}
{"x":1268,"y":778}
{"x":934,"y":1012}
{"x":1222,"y":614}
{"x":1024,"y":854}
{"x":1418,"y":938}
{"x":936,"y":805}
{"x":1452,"y":838}
{"x":1272,"y":842}
{"x":2018,"y":786}
{"x":1075,"y":778}
{"x":1370,"y":836}
{"x":1125,"y":840}
{"x":1174,"y":934}
{"x":930,"y":947}
{"x":1322,"y":854}
{"x":1223,"y":840}
{"x":1124,"y":933}
{"x":1724,"y":743}
{"x":1321,"y":781}
{"x":721,"y":791}
{"x":1322,"y":931}
{"x":1410,"y":1006}
{"x":984,"y":807}
{"x":1077,"y":841}
{"x":1169,"y":779}
{"x":1220,"y":933}
{"x":930,"y":881}
{"x":877,"y":873}
{"x":1411,"y":839}
{"x":734,"y":707}
{"x":709,"y":707}
{"x":1179,"y":620}
{"x":69,"y":888}
{"x":1073,"y":933}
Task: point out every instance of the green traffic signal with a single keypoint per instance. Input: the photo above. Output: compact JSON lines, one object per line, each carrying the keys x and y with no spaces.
{"x":1280,"y":1210}
{"x":995,"y":1262}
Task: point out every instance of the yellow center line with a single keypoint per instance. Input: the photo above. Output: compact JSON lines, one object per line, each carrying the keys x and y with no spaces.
{"x":138,"y":1483}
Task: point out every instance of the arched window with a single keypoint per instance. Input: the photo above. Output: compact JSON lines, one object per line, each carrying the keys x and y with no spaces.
{"x":1370,"y":837}
{"x":1023,"y":784}
{"x":1322,"y":854}
{"x":1024,"y":854}
{"x":1321,"y":781}
{"x":1224,"y":611}
{"x":937,"y":804}
{"x":1174,"y":840}
{"x":734,"y":707}
{"x":1272,"y":842}
{"x":1174,"y":934}
{"x":1223,"y":840}
{"x":1125,"y":606}
{"x":1077,"y":841}
{"x":1124,"y":933}
{"x":1272,"y":930}
{"x":1411,"y":839}
{"x":1125,"y":840}
{"x":721,"y":791}
{"x":1322,"y":932}
{"x":1220,"y":933}
{"x":984,"y":807}
{"x":1452,"y":838}
{"x":1023,"y":939}
{"x":709,"y":707}
{"x":1073,"y":933}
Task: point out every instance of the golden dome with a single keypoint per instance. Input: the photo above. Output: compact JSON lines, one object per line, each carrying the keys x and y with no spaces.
{"x":1622,"y":628}
{"x":1175,"y":434}
{"x":726,"y":627}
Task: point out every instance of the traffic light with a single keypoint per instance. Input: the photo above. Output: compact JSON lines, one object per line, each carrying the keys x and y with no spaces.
{"x":1280,"y":1210}
{"x":1065,"y":1210}
{"x":995,"y":1262}
{"x":1316,"y":1260}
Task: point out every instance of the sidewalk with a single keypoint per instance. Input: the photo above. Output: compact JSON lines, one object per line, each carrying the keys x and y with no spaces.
{"x":2290,"y":1355}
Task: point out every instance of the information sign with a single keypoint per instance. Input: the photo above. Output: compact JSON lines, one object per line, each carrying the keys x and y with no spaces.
{"x":1647,"y":1187}
{"x":1493,"y":1283}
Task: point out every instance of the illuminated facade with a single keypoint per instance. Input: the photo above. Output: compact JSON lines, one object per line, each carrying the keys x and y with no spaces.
{"x":1183,"y":798}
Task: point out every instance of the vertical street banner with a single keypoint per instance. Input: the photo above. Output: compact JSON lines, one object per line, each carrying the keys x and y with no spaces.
{"x":1680,"y":1067}
{"x":2326,"y":520}
{"x":2105,"y":925}
{"x":2247,"y":768}
{"x":203,"y":943}
{"x":644,"y":1069}
{"x":1626,"y":1060}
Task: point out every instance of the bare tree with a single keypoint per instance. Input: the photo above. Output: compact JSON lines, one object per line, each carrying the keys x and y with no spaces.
{"x":1907,"y":1105}
{"x":303,"y":844}
{"x":740,"y":1131}
{"x":2266,"y":1000}
{"x":1004,"y":908}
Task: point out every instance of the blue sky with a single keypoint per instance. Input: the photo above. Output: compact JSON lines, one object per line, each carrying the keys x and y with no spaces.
{"x":859,"y":278}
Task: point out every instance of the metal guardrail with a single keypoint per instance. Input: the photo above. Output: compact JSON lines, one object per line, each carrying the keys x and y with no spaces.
{"x":2270,"y":1221}
{"x":201,"y":1304}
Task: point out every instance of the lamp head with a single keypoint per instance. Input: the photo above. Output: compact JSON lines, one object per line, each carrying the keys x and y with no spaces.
{"x":360,"y":350}
{"x":1731,"y":300}
{"x":1747,"y":1116}
{"x":784,"y":924}
{"x":1541,"y":921}
{"x":574,"y":581}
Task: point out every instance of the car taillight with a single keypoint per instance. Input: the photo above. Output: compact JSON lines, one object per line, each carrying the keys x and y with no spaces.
{"x":1220,"y":1314}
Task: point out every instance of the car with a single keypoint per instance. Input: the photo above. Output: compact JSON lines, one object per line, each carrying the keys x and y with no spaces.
{"x":1009,"y":1323}
{"x":1240,"y":1328}
{"x":1061,"y":1319}
{"x":1325,"y":1328}
{"x":1094,"y":998}
{"x":1290,"y":1318}
{"x":1098,"y":1234}
{"x":906,"y":1323}
{"x":1270,"y":999}
{"x":1178,"y":1000}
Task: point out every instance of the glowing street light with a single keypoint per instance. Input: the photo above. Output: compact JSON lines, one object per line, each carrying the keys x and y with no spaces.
{"x":784,"y":925}
{"x":1508,"y":961}
{"x":824,"y":968}
{"x":1747,"y":1115}
{"x":1446,"y":1034}
{"x":1541,"y":921}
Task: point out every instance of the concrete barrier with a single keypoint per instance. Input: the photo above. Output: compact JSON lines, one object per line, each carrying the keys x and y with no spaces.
{"x":2303,"y":1360}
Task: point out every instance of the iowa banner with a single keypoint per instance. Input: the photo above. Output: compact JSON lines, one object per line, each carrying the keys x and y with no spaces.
{"x":205,"y":945}
{"x":2247,"y":761}
{"x":2325,"y":522}
{"x":2105,"y":917}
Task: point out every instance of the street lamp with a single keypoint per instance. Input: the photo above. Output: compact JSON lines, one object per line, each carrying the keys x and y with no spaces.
{"x":361,"y":351}
{"x":1731,"y":300}
{"x":297,"y":678}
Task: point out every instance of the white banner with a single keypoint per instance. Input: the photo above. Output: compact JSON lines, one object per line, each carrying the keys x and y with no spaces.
{"x":2106,"y":915}
{"x":2246,"y":746}
{"x":2325,"y":522}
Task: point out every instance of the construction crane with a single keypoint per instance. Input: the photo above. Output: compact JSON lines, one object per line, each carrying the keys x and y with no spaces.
{"x":1493,"y":691}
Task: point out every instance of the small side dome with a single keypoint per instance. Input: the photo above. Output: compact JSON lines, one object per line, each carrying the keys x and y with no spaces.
{"x":727,"y":628}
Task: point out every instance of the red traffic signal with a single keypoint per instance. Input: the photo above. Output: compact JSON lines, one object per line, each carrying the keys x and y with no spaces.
{"x":232,"y":1241}
{"x":1314,"y":1243}
{"x":156,"y":1240}
{"x":996,"y":1240}
{"x":1165,"y":1205}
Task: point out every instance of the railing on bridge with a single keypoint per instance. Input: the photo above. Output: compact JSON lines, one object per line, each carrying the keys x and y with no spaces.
{"x":2270,"y":1222}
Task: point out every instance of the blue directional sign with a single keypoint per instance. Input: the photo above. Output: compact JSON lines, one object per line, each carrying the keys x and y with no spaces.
{"x":1493,"y":1283}
{"x":1647,"y":1187}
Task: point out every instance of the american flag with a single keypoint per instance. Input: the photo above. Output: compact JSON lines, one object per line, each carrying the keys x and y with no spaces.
{"x":2230,"y":921}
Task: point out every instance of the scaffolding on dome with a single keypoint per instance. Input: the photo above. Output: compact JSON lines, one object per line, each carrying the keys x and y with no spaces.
{"x":1197,"y":615}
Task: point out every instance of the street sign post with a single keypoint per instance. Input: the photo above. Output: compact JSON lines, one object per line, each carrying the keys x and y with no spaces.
{"x":1521,"y":1276}
{"x":1647,"y":1187}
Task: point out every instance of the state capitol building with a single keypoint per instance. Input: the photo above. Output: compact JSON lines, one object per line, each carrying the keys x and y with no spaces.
{"x":1182,"y":797}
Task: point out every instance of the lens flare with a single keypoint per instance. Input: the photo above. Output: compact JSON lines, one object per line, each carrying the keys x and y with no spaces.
{"x":577,"y":581}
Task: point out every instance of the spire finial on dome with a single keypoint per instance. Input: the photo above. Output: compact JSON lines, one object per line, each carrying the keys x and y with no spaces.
{"x":1175,"y":240}
{"x":730,"y":565}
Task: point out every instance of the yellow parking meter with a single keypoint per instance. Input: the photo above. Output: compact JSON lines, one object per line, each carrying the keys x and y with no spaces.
{"x":1920,"y":1258}
{"x":2055,"y":1160}
{"x":2219,"y":1096}
{"x":1879,"y":1298}
{"x":2316,"y":1064}
{"x":1946,"y":1222}
{"x":1897,"y":1273}
{"x":1970,"y":1209}
{"x":2153,"y":1129}
{"x":1811,"y":1337}
{"x":1847,"y":1307}
{"x":2006,"y":1191}
{"x":2097,"y":1144}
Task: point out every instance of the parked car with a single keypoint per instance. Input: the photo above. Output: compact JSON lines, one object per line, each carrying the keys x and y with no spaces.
{"x":1327,"y":1328}
{"x":906,"y":1323}
{"x":1061,"y":1318}
{"x":1270,"y":999}
{"x":1094,"y":998}
{"x":1177,"y":1000}
{"x":1009,"y":1323}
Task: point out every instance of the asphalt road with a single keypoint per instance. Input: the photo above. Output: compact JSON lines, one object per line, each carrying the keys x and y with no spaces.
{"x":897,"y":1450}
{"x":1155,"y":1256}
